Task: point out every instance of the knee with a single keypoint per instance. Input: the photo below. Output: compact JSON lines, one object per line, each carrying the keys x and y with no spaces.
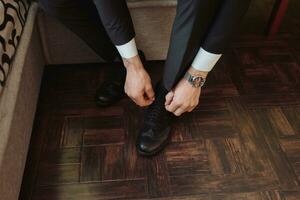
{"x":55,"y":8}
{"x":187,"y":7}
{"x":191,"y":3}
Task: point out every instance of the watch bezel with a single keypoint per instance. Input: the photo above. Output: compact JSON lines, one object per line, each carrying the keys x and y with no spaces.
{"x":195,"y":81}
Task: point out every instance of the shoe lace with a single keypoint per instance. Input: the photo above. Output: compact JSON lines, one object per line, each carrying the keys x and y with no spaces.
{"x":156,"y":114}
{"x":153,"y":119}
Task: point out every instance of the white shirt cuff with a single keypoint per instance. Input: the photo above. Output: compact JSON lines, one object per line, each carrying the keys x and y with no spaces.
{"x":205,"y":61}
{"x":128,"y":50}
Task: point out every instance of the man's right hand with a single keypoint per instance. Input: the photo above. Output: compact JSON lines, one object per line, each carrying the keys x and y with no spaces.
{"x":138,"y":83}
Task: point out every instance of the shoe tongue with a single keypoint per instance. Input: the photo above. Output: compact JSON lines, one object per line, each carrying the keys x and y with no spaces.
{"x":160,"y":90}
{"x":156,"y":113}
{"x":157,"y":116}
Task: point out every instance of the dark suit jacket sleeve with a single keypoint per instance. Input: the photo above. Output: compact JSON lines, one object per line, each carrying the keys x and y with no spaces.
{"x":225,"y":24}
{"x":116,"y":19}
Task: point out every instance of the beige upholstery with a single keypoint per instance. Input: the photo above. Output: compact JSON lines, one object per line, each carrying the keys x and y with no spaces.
{"x":17,"y":108}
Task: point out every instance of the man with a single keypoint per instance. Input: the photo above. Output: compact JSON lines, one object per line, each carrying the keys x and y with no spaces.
{"x":202,"y":30}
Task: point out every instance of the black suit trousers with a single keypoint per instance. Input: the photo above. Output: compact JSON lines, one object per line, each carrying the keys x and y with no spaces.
{"x":102,"y":24}
{"x":209,"y":24}
{"x":83,"y":19}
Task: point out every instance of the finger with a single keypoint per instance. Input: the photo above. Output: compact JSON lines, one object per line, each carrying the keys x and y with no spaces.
{"x":133,"y":99}
{"x":136,"y":102}
{"x":169,"y":98}
{"x":143,"y":101}
{"x":150,"y":93}
{"x":191,"y":109}
{"x":172,"y":107}
{"x":147,"y":102}
{"x":179,"y":112}
{"x":137,"y":99}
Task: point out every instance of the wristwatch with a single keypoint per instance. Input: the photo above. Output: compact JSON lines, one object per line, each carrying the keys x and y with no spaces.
{"x":195,"y":81}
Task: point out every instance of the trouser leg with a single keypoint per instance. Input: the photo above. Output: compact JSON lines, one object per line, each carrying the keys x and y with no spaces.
{"x":116,"y":19}
{"x":82,"y":18}
{"x":206,"y":23}
{"x":192,"y":21}
{"x":225,"y":25}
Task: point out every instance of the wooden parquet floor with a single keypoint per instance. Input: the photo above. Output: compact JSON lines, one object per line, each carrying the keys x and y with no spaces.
{"x":242,"y":142}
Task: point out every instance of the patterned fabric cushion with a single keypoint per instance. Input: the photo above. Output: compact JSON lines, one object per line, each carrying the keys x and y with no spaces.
{"x":12,"y":19}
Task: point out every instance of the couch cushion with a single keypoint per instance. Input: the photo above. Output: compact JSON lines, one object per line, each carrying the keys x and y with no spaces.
{"x":150,"y":3}
{"x":12,"y":19}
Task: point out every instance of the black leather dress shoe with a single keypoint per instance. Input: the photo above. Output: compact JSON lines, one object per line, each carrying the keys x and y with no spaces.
{"x":154,"y":136}
{"x":109,"y":93}
{"x":112,"y":89}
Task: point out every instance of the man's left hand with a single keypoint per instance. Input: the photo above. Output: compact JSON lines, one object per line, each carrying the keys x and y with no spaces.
{"x":183,"y":98}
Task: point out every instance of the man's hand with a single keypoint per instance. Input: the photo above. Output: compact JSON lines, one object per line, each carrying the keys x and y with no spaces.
{"x":184,"y":97}
{"x":138,"y":83}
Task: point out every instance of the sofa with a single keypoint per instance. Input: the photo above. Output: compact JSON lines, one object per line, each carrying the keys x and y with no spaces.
{"x":39,"y":40}
{"x":23,"y":70}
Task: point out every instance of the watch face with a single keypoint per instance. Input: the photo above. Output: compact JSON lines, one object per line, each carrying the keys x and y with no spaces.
{"x":196,"y":81}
